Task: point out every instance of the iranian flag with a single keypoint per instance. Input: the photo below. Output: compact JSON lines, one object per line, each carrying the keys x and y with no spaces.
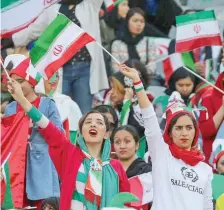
{"x":110,"y":4}
{"x":141,"y":186}
{"x":175,"y":61}
{"x":58,"y":43}
{"x":18,"y":14}
{"x":197,"y":30}
{"x":13,"y":160}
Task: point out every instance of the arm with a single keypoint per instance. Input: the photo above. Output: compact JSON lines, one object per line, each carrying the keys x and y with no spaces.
{"x":55,"y":138}
{"x":95,"y":4}
{"x":152,"y":130}
{"x":214,"y":120}
{"x":208,"y":204}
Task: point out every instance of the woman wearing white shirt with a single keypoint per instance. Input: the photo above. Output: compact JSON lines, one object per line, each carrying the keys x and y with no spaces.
{"x":181,"y":180}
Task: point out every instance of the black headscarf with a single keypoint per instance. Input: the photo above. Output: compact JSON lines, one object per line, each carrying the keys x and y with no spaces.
{"x":126,"y":36}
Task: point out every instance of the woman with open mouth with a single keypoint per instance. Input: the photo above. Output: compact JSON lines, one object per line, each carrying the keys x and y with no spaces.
{"x":179,"y":175}
{"x":89,"y":178}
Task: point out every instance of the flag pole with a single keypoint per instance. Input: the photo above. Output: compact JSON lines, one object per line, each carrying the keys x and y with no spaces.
{"x":117,"y":61}
{"x":7,"y":74}
{"x":203,"y":79}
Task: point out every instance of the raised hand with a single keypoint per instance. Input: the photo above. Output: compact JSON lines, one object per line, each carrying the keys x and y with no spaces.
{"x":129,"y":72}
{"x":15,"y":90}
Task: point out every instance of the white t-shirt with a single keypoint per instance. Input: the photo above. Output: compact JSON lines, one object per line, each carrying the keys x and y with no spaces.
{"x":176,"y":185}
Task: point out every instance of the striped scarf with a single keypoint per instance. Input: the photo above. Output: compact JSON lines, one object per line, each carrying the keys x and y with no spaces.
{"x":92,"y":192}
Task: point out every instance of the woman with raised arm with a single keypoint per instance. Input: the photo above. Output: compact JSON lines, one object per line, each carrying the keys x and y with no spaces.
{"x":181,"y":180}
{"x":89,"y":178}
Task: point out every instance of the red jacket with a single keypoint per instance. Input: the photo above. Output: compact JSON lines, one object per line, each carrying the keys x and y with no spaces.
{"x":212,"y":102}
{"x":67,"y":159}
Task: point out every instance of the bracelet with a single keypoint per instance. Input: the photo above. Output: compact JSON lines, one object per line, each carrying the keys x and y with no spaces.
{"x":138,"y":86}
{"x":34,"y":114}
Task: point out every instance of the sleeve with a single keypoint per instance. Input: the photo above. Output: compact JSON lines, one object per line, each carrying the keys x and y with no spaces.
{"x":125,"y":112}
{"x":95,"y":4}
{"x":54,"y":116}
{"x":206,"y":120}
{"x":208,"y":204}
{"x":58,"y":146}
{"x":115,"y":51}
{"x":55,"y":138}
{"x":32,"y":32}
{"x":156,"y":145}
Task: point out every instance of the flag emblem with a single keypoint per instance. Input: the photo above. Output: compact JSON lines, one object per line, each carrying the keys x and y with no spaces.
{"x":57,"y":50}
{"x":197,"y":28}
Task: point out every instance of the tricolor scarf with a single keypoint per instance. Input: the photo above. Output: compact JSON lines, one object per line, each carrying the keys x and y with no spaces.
{"x":97,"y":193}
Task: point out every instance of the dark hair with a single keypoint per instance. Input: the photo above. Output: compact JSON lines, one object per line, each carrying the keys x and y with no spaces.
{"x":82,"y":120}
{"x":133,"y":11}
{"x":129,"y":128}
{"x":180,"y":73}
{"x":53,"y":201}
{"x":138,"y":65}
{"x":174,"y":120}
{"x":108,"y":109}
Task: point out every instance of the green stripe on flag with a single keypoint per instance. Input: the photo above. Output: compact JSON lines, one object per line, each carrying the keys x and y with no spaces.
{"x":188,"y":60}
{"x":8,"y":202}
{"x":118,"y":2}
{"x":195,"y":17}
{"x":45,"y":41}
{"x":7,"y":3}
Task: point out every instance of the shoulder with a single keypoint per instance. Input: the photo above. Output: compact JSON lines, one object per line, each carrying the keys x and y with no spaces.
{"x":10,"y":108}
{"x":207,"y":169}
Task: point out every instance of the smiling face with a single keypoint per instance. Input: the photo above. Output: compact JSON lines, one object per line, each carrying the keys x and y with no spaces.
{"x":94,"y":129}
{"x":183,"y":132}
{"x":125,"y":145}
{"x":136,"y":24}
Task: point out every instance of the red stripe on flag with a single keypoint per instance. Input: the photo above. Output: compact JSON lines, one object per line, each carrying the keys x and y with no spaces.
{"x":9,"y":33}
{"x":167,"y":69}
{"x":69,"y":53}
{"x":191,"y":44}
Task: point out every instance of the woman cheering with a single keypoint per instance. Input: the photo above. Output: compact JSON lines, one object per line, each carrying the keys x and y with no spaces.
{"x":181,"y":180}
{"x":89,"y":179}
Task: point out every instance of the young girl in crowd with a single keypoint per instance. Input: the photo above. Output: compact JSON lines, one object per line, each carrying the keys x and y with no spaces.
{"x":214,"y":118}
{"x":79,"y":166}
{"x":132,"y":43}
{"x":181,"y":81}
{"x":122,"y":99}
{"x":126,"y":143}
{"x":181,"y":180}
{"x":112,"y":23}
{"x":38,"y":160}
